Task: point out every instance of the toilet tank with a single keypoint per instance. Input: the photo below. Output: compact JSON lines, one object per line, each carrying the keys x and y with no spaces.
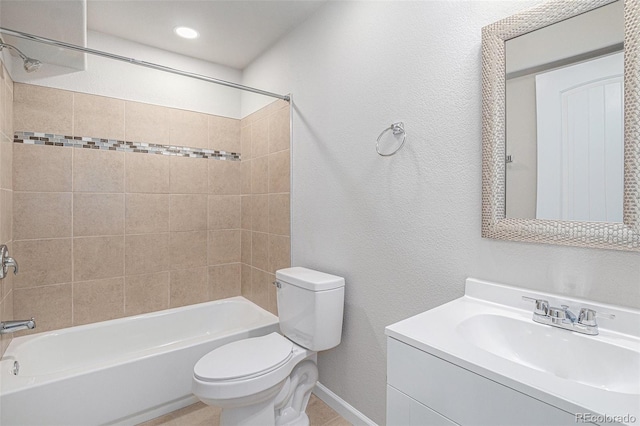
{"x":310,"y":307}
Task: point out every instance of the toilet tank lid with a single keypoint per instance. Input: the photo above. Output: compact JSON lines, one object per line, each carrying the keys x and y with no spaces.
{"x":309,"y":279}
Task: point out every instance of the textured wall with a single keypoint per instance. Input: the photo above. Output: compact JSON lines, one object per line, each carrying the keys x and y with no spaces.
{"x":6,"y":194}
{"x":103,"y":234}
{"x":403,"y":230}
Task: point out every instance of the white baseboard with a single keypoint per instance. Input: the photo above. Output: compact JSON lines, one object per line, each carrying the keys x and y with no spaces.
{"x":342,"y":407}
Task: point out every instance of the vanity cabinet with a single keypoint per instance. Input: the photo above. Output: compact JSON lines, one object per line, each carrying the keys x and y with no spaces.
{"x":423,"y":390}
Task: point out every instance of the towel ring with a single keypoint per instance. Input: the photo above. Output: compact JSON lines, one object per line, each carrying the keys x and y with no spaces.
{"x":397,"y":129}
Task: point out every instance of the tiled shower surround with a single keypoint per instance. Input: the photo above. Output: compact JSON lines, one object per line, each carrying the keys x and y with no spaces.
{"x":6,"y":195}
{"x":31,"y":138}
{"x":106,"y":233}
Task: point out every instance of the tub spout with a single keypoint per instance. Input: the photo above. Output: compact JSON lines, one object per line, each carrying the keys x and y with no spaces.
{"x":13,"y":326}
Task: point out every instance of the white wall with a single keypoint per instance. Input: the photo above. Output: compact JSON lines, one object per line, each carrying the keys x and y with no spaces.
{"x":403,"y":230}
{"x":122,"y":80}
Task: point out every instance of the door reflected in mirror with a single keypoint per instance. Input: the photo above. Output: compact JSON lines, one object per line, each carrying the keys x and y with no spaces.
{"x":564,"y":119}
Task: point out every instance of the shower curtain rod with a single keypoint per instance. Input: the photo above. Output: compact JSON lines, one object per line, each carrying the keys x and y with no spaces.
{"x":141,"y":63}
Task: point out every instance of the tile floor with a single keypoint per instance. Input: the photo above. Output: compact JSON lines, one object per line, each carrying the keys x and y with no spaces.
{"x":199,"y":414}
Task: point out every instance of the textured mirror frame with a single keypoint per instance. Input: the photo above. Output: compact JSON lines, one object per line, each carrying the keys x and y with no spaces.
{"x":495,"y":224}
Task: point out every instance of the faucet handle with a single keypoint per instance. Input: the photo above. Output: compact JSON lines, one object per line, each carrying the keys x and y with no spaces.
{"x":588,"y":316}
{"x":542,"y":306}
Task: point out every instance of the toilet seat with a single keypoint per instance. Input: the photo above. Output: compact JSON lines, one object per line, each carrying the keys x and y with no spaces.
{"x":244,"y":359}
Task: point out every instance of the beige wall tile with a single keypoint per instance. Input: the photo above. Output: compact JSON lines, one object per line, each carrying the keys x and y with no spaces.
{"x":258,"y":115}
{"x":6,"y":216}
{"x":245,"y":247}
{"x":224,"y":177}
{"x":146,"y":123}
{"x":98,"y":257}
{"x":147,"y":253}
{"x":42,"y":109}
{"x":224,"y":247}
{"x":42,"y":168}
{"x":260,"y":213}
{"x":260,"y":175}
{"x":188,"y":212}
{"x":98,"y":300}
{"x":260,"y":250}
{"x":245,"y":142}
{"x":245,"y":176}
{"x":146,"y":293}
{"x":224,"y":134}
{"x":146,"y":213}
{"x":98,"y":116}
{"x":273,"y":299}
{"x":98,"y":214}
{"x":259,"y":138}
{"x":279,"y":172}
{"x":224,"y":281}
{"x":41,"y":215}
{"x":245,"y":280}
{"x":147,"y":173}
{"x":279,"y":214}
{"x":6,"y":285}
{"x":97,"y":170}
{"x":43,"y":262}
{"x":279,"y":130}
{"x":260,"y":283}
{"x":279,"y":252}
{"x":188,"y":128}
{"x":224,"y":211}
{"x":3,"y":90}
{"x":189,"y":175}
{"x":188,"y":286}
{"x":188,"y":249}
{"x":8,"y":124}
{"x":6,"y":163}
{"x":246,"y":208}
{"x":50,"y":306}
{"x":277,"y":105}
{"x":6,"y":314}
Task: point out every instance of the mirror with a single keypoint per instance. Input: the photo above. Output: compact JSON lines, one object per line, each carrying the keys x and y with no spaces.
{"x":564,"y":113}
{"x":561,"y":107}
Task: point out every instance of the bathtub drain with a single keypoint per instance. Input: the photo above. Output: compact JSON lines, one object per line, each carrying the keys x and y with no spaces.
{"x":16,"y":368}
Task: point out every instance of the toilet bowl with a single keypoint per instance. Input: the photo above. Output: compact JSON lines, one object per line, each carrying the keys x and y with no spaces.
{"x":251,"y":380}
{"x":267,"y":380}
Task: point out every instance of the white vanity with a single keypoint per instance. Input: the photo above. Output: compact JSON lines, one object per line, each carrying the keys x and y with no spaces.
{"x":482,"y":360}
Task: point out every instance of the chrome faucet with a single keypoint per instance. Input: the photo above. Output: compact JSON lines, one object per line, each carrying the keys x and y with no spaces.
{"x":13,"y":326}
{"x":6,"y":261}
{"x":562,"y":317}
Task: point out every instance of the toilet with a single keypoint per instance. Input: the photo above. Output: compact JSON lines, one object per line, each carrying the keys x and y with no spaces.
{"x":268,"y":380}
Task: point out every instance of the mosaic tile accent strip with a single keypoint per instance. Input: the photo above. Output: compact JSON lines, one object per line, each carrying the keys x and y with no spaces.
{"x":35,"y":138}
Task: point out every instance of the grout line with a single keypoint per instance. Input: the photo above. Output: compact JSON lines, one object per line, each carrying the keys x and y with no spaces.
{"x":124,"y":231}
{"x":73,"y":261}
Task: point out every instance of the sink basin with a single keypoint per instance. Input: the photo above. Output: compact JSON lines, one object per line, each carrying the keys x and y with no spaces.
{"x":570,"y":356}
{"x":490,"y":332}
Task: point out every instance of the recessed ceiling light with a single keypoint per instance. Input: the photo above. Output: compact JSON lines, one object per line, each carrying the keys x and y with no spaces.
{"x":186,"y":32}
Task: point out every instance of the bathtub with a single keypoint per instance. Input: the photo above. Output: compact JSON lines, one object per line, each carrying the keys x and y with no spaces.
{"x":123,"y":371}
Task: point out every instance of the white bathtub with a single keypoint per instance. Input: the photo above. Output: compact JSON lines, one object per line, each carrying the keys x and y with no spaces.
{"x":123,"y":371}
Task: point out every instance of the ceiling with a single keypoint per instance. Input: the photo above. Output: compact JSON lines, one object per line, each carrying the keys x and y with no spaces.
{"x":232,"y":32}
